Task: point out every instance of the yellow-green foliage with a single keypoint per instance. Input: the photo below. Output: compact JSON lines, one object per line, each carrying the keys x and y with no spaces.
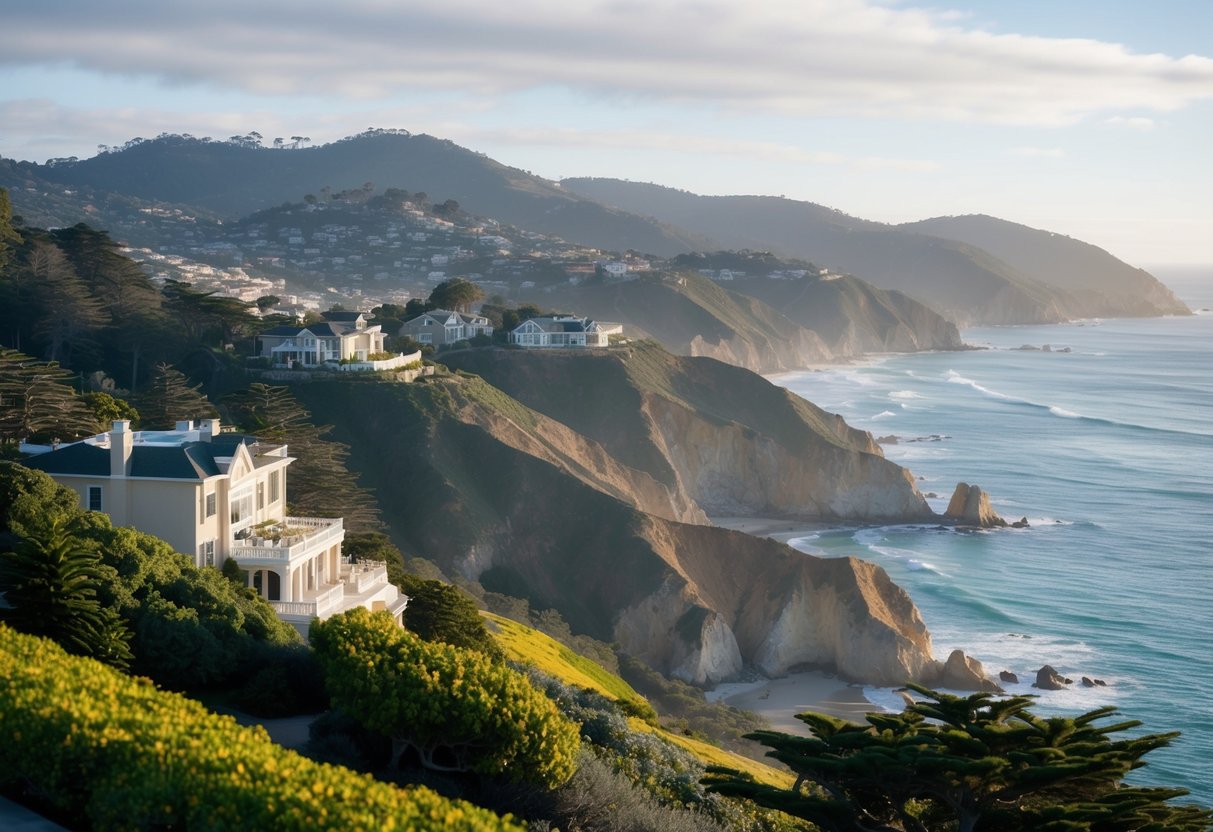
{"x":526,"y":645}
{"x":120,"y":754}
{"x":456,"y":707}
{"x":529,"y":646}
{"x":711,"y":755}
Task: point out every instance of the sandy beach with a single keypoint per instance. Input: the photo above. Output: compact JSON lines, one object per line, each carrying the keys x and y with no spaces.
{"x":779,"y":700}
{"x":781,"y":530}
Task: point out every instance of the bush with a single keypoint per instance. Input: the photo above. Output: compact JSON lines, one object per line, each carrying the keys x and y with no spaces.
{"x":459,"y":710}
{"x":112,"y":752}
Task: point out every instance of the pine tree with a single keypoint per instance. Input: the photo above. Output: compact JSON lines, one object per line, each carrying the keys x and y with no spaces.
{"x":50,"y":583}
{"x":320,"y":484}
{"x":964,"y":764}
{"x":169,"y":398}
{"x":37,"y":401}
{"x":70,"y":317}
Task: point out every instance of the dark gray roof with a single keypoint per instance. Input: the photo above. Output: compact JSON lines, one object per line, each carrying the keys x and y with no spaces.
{"x":323,"y":329}
{"x":87,"y":460}
{"x":342,"y":316}
{"x":192,"y":461}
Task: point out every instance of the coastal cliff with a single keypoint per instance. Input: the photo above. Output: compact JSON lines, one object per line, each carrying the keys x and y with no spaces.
{"x":499,"y":493}
{"x":733,"y":442}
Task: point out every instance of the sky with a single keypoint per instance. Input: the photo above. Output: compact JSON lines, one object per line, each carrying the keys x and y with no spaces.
{"x":1092,"y":118}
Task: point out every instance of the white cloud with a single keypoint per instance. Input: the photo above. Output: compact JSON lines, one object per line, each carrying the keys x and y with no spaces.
{"x":798,"y":57}
{"x":1133,"y":122}
{"x":1038,"y":152}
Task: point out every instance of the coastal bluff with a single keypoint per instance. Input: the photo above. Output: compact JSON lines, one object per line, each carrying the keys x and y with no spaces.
{"x":614,"y":534}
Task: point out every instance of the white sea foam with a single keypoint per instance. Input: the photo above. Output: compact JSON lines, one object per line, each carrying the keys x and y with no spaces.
{"x":1061,"y":411}
{"x":905,"y":394}
{"x":884,"y":414}
{"x":954,"y":377}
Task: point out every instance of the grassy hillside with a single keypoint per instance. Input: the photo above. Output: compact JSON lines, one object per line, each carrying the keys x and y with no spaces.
{"x":530,"y":647}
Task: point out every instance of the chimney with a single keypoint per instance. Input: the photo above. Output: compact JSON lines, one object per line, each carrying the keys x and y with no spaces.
{"x":121,"y":441}
{"x":185,"y":425}
{"x":208,"y":429}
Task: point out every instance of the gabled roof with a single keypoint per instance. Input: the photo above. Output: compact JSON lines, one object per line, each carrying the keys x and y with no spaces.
{"x":561,"y":324}
{"x":77,"y":458}
{"x":324,"y":329}
{"x":444,"y":316}
{"x":343,"y":316}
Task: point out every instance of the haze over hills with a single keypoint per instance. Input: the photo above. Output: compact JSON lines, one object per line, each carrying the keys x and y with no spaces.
{"x":976,"y":270}
{"x":1056,"y":279}
{"x":230,"y":180}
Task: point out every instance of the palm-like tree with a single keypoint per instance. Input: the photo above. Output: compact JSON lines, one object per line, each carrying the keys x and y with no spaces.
{"x":50,"y":585}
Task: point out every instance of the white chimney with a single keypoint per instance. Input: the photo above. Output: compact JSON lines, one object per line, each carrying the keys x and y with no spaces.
{"x":121,"y":442}
{"x":209,"y":429}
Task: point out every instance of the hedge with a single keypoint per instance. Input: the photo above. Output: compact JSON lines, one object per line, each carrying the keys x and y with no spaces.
{"x":117,"y":753}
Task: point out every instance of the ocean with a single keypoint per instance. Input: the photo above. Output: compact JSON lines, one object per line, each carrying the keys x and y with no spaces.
{"x":1104,"y":442}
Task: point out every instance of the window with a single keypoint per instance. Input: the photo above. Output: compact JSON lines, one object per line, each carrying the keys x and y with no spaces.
{"x":206,"y":553}
{"x":274,"y":486}
{"x":94,"y":498}
{"x":260,"y":495}
{"x":210,"y":504}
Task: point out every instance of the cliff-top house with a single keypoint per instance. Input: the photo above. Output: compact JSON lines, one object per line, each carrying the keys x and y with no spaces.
{"x":564,"y":331}
{"x":219,"y":496}
{"x":344,"y":340}
{"x":440,"y":327}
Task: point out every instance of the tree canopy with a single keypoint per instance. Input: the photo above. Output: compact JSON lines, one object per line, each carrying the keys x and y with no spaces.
{"x":967,"y":764}
{"x":456,"y":708}
{"x":456,"y":294}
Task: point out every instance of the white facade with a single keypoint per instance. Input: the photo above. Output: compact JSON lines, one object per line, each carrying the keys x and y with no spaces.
{"x":217,"y":497}
{"x":564,"y":331}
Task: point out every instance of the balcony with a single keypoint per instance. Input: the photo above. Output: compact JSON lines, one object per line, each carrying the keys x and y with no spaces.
{"x":297,"y":538}
{"x":363,"y":576}
{"x":320,"y":605}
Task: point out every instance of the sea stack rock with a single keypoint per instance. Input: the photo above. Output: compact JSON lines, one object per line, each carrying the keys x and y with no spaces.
{"x":1049,"y":679}
{"x":970,"y":506}
{"x":1008,"y":677}
{"x":961,"y":672}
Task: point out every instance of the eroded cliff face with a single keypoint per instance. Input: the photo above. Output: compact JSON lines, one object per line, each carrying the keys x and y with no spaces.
{"x":731,"y":470}
{"x":727,"y":439}
{"x":498,"y":493}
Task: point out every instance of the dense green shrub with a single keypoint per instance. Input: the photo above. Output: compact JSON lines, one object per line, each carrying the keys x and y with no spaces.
{"x":458,"y":710}
{"x":112,"y":752}
{"x":442,"y":612}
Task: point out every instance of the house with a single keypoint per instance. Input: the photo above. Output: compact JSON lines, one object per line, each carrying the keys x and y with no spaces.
{"x":564,"y":331}
{"x":217,"y":497}
{"x":440,"y":327}
{"x":343,"y":339}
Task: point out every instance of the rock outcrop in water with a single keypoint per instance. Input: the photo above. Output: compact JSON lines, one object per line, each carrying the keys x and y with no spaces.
{"x":970,"y":506}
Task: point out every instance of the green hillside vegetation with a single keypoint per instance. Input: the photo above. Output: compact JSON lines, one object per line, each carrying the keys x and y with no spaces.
{"x":528,"y":646}
{"x":232,"y":178}
{"x":531,"y":647}
{"x":113,"y":752}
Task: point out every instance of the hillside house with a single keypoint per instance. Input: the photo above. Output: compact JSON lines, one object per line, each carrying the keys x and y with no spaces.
{"x":564,"y":331}
{"x":341,"y":337}
{"x":218,"y":496}
{"x":440,"y":327}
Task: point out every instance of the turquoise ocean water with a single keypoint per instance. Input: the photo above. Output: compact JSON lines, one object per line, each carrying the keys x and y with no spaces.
{"x":1107,"y":449}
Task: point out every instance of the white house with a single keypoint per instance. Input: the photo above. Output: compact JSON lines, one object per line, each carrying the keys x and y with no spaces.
{"x":564,"y":331}
{"x":343,"y":338}
{"x":219,"y":496}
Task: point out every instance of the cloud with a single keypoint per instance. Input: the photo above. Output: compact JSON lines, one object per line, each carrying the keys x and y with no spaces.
{"x":1133,"y":122}
{"x":794,"y":57}
{"x":1038,"y":152}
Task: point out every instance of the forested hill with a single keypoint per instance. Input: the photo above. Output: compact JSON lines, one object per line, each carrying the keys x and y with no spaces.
{"x":1016,"y":278}
{"x":236,"y":177}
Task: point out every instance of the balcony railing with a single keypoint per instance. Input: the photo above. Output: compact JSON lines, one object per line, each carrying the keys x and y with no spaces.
{"x":314,"y":533}
{"x":363,"y":575}
{"x":325,"y":602}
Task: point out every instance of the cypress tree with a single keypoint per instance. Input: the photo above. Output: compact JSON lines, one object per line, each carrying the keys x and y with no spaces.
{"x":169,"y":398}
{"x":966,"y":763}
